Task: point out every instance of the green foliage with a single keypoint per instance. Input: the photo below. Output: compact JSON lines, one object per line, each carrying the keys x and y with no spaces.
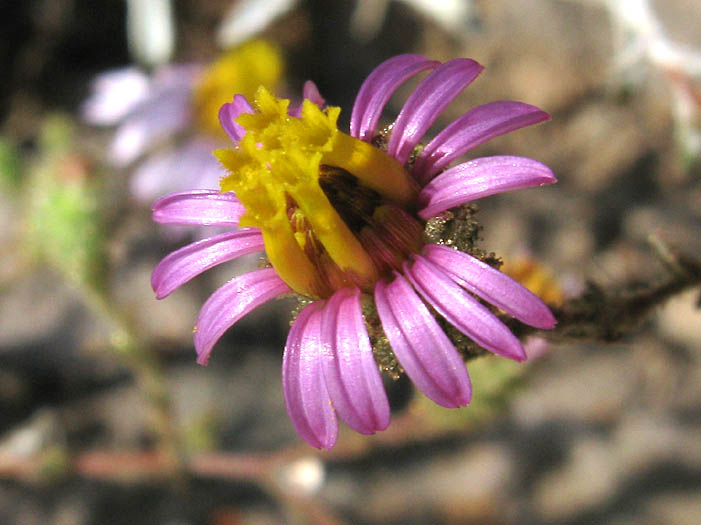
{"x":10,"y":167}
{"x":64,"y":223}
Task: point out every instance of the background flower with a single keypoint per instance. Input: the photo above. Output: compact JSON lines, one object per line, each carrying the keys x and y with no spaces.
{"x":176,"y":108}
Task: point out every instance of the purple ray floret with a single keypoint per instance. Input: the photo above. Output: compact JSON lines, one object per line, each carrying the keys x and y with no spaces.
{"x":481,"y":178}
{"x":378,"y":89}
{"x":461,"y":310}
{"x":427,"y":102}
{"x":491,"y":285}
{"x":182,"y":265}
{"x":201,"y":207}
{"x":228,"y":114}
{"x":352,"y":376}
{"x":422,"y":348}
{"x":303,"y":383}
{"x":230,"y":303}
{"x":476,"y":127}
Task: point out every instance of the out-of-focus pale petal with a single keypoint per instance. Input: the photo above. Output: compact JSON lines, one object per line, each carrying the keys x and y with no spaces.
{"x":424,"y":351}
{"x":228,"y":114}
{"x":150,"y":31}
{"x":303,"y":384}
{"x":476,"y":127}
{"x":175,"y":78}
{"x":378,"y":88}
{"x":201,"y":207}
{"x":153,"y":177}
{"x":180,"y":266}
{"x":230,"y":303}
{"x":245,"y":18}
{"x":480,"y":178}
{"x":114,"y":95}
{"x":427,"y":102}
{"x":155,"y":119}
{"x":189,"y":166}
{"x":491,"y":285}
{"x":207,"y":170}
{"x":454,"y":16}
{"x":462,"y":310}
{"x":352,"y":376}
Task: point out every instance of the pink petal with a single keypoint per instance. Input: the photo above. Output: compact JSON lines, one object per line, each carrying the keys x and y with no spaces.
{"x":306,"y":397}
{"x":480,"y":178}
{"x":462,"y":310}
{"x":476,"y":127}
{"x":311,"y":92}
{"x":182,"y":265}
{"x":203,"y":207}
{"x":378,"y":89}
{"x":230,"y":303}
{"x":424,"y":351}
{"x":427,"y":102}
{"x":491,"y":285}
{"x":352,"y":376}
{"x":228,"y":114}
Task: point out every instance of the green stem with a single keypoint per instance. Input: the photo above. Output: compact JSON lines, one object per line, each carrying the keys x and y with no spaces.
{"x":135,"y":353}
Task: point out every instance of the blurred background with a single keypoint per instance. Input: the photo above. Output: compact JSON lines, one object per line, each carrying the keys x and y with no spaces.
{"x":106,"y":418}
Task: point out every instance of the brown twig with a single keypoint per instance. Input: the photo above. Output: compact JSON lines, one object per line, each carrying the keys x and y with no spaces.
{"x":607,"y":315}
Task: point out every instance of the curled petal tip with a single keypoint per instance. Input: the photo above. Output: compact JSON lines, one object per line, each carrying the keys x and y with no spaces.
{"x":548,"y":321}
{"x":202,"y":353}
{"x":521,"y":356}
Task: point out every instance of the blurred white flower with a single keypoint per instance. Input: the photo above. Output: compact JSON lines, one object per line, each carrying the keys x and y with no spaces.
{"x":453,"y":16}
{"x":150,"y":31}
{"x":248,"y":17}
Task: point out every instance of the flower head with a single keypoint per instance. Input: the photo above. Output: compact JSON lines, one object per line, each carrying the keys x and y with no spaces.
{"x":360,"y":226}
{"x":176,"y":100}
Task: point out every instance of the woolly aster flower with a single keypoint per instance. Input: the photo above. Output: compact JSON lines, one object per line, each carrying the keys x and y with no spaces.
{"x":175,"y":99}
{"x":357,"y":225}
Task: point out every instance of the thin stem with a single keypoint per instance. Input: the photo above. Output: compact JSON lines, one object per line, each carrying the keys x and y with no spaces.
{"x":134,"y":352}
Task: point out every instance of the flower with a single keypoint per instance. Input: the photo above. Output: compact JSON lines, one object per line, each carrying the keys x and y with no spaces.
{"x":149,"y":110}
{"x":537,"y":278}
{"x":359,"y":225}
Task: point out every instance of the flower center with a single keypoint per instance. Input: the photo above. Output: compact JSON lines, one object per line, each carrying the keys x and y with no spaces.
{"x":333,"y":210}
{"x":240,"y":70}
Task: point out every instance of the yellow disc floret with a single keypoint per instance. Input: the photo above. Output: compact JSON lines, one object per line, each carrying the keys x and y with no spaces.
{"x":241,"y":70}
{"x":274,"y":171}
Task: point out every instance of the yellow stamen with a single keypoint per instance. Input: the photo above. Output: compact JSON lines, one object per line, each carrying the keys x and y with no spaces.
{"x":275,"y":170}
{"x":374,"y":168}
{"x":240,"y":70}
